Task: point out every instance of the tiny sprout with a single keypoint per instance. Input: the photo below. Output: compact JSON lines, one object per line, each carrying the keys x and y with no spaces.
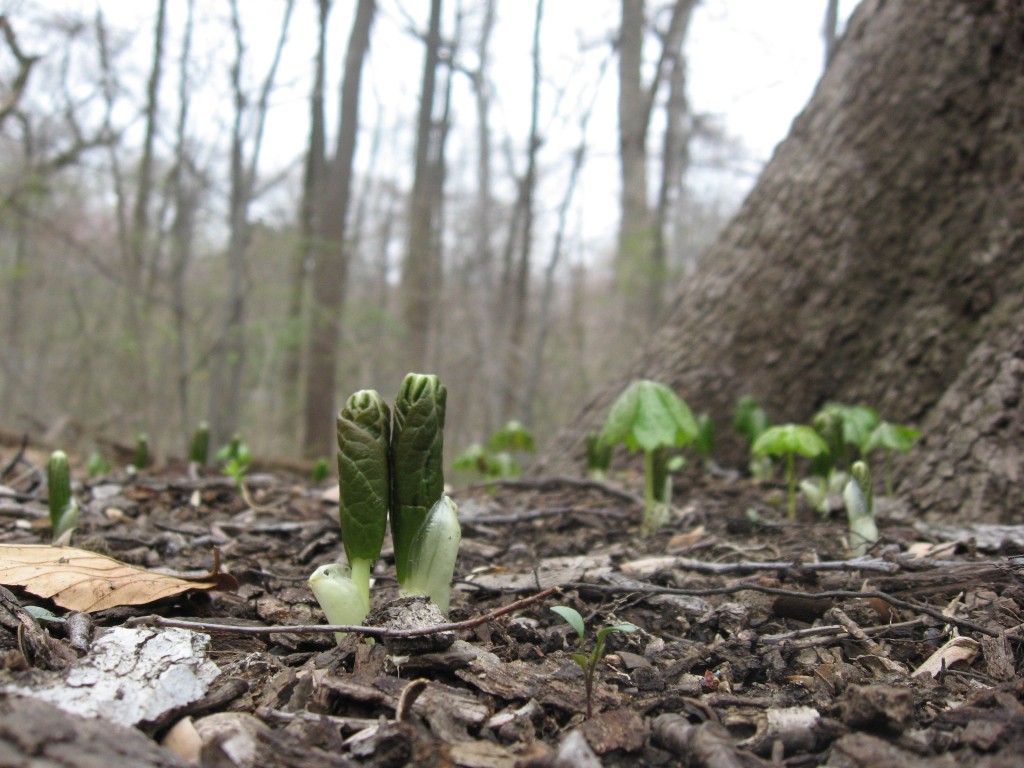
{"x":889,"y":437}
{"x":788,"y":440}
{"x":750,"y":420}
{"x":321,"y":469}
{"x":860,"y":509}
{"x":63,"y":507}
{"x":199,"y":451}
{"x":599,"y":458}
{"x":141,"y":460}
{"x":588,"y":661}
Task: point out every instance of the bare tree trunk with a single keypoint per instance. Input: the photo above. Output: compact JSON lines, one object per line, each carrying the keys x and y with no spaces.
{"x":330,"y":268}
{"x":312,"y":187}
{"x":420,"y":273}
{"x":185,"y":205}
{"x":638,"y":271}
{"x":877,"y":261}
{"x":229,"y":353}
{"x":828,"y":31}
{"x":513,"y":384}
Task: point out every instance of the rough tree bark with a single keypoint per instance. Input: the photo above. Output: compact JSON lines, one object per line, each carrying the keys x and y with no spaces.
{"x":330,"y":268}
{"x":421,"y":269}
{"x":878,"y":259}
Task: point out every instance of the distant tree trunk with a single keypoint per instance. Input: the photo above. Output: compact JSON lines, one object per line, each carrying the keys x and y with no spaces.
{"x":302,"y":259}
{"x":330,"y":268}
{"x":420,"y":272}
{"x":229,"y":352}
{"x":878,"y":260}
{"x":828,"y":30}
{"x":513,"y":384}
{"x":185,"y":205}
{"x":639,"y":272}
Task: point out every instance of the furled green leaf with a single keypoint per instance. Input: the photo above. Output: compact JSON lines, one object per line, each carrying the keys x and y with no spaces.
{"x":417,"y":451}
{"x":364,"y":477}
{"x":433,"y":553}
{"x":649,"y":415}
{"x":786,"y":439}
{"x":573,"y":619}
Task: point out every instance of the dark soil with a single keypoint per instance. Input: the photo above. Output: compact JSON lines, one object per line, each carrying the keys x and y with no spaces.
{"x":757,"y":642}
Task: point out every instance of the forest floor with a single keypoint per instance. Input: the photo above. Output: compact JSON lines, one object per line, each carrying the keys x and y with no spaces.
{"x":758,"y":642}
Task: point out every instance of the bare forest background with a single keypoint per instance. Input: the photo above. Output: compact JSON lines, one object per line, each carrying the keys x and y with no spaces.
{"x":169,"y":253}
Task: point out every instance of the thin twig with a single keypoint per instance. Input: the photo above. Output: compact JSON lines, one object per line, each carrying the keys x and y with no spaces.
{"x":834,"y":594}
{"x":304,"y":629}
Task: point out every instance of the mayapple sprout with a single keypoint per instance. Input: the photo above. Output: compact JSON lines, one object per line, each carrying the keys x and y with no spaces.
{"x":417,"y":454}
{"x":141,"y":460}
{"x":433,"y":553}
{"x":63,"y":507}
{"x":342,"y":600}
{"x":860,"y":511}
{"x":588,"y":661}
{"x":199,"y":450}
{"x":788,"y":440}
{"x":889,"y":437}
{"x":364,"y":477}
{"x":649,"y":416}
{"x":599,"y":458}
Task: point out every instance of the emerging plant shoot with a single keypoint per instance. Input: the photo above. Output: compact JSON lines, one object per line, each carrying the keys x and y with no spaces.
{"x":860,"y":511}
{"x":649,"y":416}
{"x":199,"y":450}
{"x":788,"y":440}
{"x":63,"y":507}
{"x":417,"y":447}
{"x":364,"y":478}
{"x":889,"y":437}
{"x":433,"y":553}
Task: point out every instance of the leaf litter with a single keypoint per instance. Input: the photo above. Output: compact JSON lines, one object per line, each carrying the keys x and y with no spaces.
{"x":759,"y":642}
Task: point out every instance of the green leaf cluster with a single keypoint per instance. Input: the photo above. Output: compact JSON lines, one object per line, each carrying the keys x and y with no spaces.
{"x":496,"y":458}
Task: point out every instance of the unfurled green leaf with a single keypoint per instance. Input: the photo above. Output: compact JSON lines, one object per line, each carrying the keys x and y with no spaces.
{"x":573,"y":619}
{"x":649,"y":415}
{"x":787,"y":439}
{"x":750,"y":420}
{"x":417,"y":445}
{"x":512,"y":436}
{"x":892,"y":437}
{"x":364,"y":477}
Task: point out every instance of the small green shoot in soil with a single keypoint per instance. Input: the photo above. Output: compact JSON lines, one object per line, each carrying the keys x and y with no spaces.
{"x":199,"y":449}
{"x":889,"y":437}
{"x":496,"y":458}
{"x":588,"y":661}
{"x":321,"y":470}
{"x":237,"y":458}
{"x":649,"y":416}
{"x":63,"y":507}
{"x":599,"y":458}
{"x":788,"y":440}
{"x":860,"y":510}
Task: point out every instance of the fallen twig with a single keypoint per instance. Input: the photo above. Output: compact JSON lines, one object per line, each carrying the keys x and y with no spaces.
{"x":834,"y":594}
{"x":300,"y":629}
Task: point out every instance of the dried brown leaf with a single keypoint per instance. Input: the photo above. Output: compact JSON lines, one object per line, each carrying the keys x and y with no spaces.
{"x":80,"y":580}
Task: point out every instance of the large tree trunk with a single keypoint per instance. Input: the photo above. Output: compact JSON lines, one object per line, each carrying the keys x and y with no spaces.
{"x":878,"y":259}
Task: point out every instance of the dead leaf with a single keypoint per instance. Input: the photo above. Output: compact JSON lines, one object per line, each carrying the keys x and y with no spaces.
{"x":80,"y":580}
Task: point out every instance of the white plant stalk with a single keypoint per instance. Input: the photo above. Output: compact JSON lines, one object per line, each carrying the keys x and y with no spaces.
{"x":433,"y":553}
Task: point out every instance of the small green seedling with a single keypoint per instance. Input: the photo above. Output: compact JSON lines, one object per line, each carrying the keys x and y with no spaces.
{"x":649,"y":416}
{"x":588,"y":661}
{"x":788,"y":440}
{"x":237,"y":458}
{"x":63,"y":507}
{"x":841,"y":426}
{"x":704,"y":445}
{"x":496,"y":458}
{"x":599,"y":458}
{"x":141,"y":460}
{"x":750,"y":420}
{"x":199,"y":450}
{"x":97,"y":465}
{"x":860,"y":510}
{"x":889,"y":437}
{"x":321,"y":471}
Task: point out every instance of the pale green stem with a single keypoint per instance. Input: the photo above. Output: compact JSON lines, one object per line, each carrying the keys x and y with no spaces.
{"x":791,"y":477}
{"x":361,"y":578}
{"x":649,"y":495}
